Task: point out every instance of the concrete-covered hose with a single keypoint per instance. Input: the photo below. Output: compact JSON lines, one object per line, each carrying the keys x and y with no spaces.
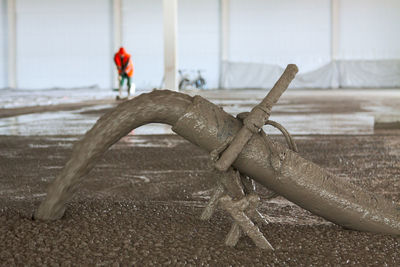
{"x":155,"y":107}
{"x":269,"y":163}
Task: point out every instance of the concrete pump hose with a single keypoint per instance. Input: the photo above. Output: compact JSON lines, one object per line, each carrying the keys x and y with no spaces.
{"x":208,"y":126}
{"x":288,"y":174}
{"x":161,"y":106}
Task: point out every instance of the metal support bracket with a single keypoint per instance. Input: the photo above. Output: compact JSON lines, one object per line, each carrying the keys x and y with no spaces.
{"x":235,"y":194}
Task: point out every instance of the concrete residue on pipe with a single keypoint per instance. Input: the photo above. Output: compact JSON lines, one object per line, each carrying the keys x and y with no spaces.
{"x":208,"y":126}
{"x":158,"y":106}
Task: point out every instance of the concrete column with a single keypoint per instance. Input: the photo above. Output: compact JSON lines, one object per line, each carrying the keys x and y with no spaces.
{"x":224,"y":35}
{"x":116,"y":35}
{"x":12,"y":43}
{"x":225,"y":29}
{"x":117,"y":23}
{"x":335,"y":29}
{"x":170,"y":26}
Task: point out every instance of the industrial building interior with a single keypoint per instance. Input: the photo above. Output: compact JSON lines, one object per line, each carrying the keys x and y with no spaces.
{"x":91,"y":178}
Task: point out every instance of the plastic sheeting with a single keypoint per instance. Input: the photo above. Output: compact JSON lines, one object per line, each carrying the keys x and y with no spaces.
{"x":369,"y":73}
{"x":343,"y":73}
{"x":267,"y":35}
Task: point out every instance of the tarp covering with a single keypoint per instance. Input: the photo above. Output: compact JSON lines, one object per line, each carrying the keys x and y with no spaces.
{"x":342,"y":73}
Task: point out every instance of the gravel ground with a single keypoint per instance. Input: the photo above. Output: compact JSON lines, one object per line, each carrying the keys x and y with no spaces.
{"x":141,"y":204}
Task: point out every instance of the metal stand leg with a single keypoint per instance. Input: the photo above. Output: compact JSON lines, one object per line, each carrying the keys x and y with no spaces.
{"x":213,"y":203}
{"x":233,"y":236}
{"x":235,"y":194}
{"x":237,"y":210}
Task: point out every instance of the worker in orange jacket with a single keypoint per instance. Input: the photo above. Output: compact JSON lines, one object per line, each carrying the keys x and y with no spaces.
{"x":125,"y":68}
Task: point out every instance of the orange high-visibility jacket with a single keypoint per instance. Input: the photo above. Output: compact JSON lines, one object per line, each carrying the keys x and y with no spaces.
{"x":124,"y":62}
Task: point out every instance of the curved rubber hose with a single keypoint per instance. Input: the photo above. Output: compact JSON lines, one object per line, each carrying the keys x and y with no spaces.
{"x":208,"y":126}
{"x":155,"y":107}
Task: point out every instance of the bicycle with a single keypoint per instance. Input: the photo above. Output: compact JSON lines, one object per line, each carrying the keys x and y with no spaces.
{"x":185,"y":82}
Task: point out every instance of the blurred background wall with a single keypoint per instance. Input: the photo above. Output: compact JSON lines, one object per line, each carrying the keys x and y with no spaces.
{"x":63,"y":43}
{"x":278,"y":32}
{"x":3,"y":44}
{"x":142,"y":36}
{"x":69,"y":43}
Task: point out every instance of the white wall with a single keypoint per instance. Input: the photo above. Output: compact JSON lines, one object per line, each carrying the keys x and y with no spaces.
{"x":64,"y":43}
{"x":3,"y":44}
{"x":68,"y":43}
{"x":143,"y":38}
{"x":280,"y":32}
{"x":370,"y":29}
{"x":198,"y":38}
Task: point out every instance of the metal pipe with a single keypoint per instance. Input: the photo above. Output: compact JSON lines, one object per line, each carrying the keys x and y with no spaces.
{"x":208,"y":126}
{"x":288,"y":174}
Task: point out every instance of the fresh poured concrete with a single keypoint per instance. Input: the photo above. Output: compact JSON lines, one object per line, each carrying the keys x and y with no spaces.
{"x":142,"y":201}
{"x":345,"y":111}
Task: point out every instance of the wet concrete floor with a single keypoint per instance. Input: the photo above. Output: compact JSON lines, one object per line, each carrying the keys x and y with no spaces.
{"x":141,"y":204}
{"x":300,"y":111}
